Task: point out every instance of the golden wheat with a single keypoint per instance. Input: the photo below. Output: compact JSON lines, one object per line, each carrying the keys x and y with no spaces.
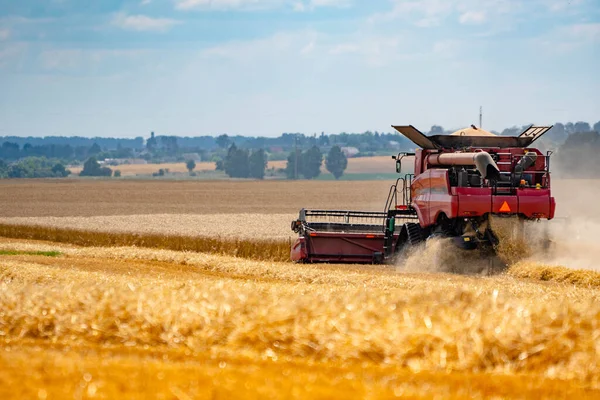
{"x":535,"y":270}
{"x":247,"y":313}
{"x":177,"y":316}
{"x":261,"y":249}
{"x":378,"y":164}
{"x":224,"y":226}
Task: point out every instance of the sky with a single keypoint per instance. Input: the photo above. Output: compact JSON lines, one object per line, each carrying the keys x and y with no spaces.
{"x":263,"y":67}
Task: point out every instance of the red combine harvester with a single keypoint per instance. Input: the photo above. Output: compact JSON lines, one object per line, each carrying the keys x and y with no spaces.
{"x":459,"y":180}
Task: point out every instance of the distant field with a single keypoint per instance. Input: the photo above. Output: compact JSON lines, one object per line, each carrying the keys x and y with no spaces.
{"x":57,"y":198}
{"x":380,"y":164}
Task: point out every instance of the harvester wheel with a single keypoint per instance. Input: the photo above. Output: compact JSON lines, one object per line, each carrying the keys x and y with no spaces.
{"x":415,"y":235}
{"x":410,"y":235}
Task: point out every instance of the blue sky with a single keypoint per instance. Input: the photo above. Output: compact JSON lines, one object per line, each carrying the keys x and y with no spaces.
{"x":263,"y":67}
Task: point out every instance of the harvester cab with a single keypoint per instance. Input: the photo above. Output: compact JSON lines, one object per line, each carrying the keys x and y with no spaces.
{"x":459,"y":183}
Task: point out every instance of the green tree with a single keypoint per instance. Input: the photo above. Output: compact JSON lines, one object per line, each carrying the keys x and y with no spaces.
{"x":3,"y":169}
{"x":236,"y":164}
{"x":293,"y":168}
{"x":151,"y":142}
{"x":92,"y":168}
{"x":95,"y":149}
{"x":59,"y":170}
{"x":223,"y":141}
{"x":336,"y":162}
{"x":311,"y":162}
{"x":582,"y":127}
{"x":190,"y":165}
{"x":257,"y":164}
{"x":17,"y":171}
{"x":117,"y":173}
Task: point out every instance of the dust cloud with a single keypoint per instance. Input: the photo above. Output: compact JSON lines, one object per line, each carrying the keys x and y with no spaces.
{"x":442,"y":255}
{"x":575,"y":232}
{"x":571,"y":239}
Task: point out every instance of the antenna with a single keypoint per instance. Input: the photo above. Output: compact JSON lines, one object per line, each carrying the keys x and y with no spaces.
{"x":480,"y":117}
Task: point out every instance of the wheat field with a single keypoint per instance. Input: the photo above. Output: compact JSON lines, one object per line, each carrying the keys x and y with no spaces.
{"x":377,"y":164}
{"x":113,"y":290}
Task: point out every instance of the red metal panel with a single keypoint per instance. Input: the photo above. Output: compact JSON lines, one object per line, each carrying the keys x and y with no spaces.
{"x":420,"y":197}
{"x":343,"y":247}
{"x":474,"y":201}
{"x":535,"y":203}
{"x":298,"y":252}
{"x":440,"y":198}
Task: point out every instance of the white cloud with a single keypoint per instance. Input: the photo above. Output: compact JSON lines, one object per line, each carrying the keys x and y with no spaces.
{"x":308,"y":48}
{"x":143,"y":23}
{"x":585,"y":31}
{"x":185,"y":5}
{"x":4,"y":34}
{"x":83,"y":59}
{"x":299,"y":6}
{"x":425,"y":13}
{"x":296,"y":5}
{"x":562,"y":5}
{"x":472,"y":17}
{"x":567,"y":39}
{"x":145,"y":2}
{"x":330,"y":3}
{"x":447,"y":48}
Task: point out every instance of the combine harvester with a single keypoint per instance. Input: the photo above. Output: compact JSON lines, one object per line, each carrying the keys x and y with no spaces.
{"x":459,"y":182}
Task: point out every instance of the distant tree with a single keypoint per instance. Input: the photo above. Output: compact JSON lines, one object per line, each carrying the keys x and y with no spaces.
{"x":336,"y":162}
{"x":94,"y":149}
{"x":323,"y":140}
{"x":311,"y":163}
{"x":436,"y":130}
{"x":151,"y":142}
{"x":169,"y":143}
{"x":569,"y":128}
{"x":92,"y":168}
{"x":512,"y":131}
{"x":117,"y":173}
{"x":236,"y":163}
{"x":557,"y":133}
{"x":219,"y":165}
{"x":223,"y":141}
{"x":3,"y":169}
{"x":582,"y":127}
{"x":257,"y":164}
{"x":9,"y":151}
{"x":597,"y":127}
{"x":59,"y":170}
{"x":293,"y":168}
{"x":190,"y":165}
{"x":17,"y":171}
{"x":577,"y":156}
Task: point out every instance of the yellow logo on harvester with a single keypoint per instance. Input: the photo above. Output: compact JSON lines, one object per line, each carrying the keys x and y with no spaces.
{"x":505,"y":207}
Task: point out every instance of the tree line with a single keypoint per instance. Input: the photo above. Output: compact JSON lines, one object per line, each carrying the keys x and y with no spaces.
{"x":241,"y":163}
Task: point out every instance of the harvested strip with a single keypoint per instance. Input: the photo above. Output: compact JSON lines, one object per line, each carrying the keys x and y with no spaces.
{"x":227,"y":226}
{"x":527,"y":269}
{"x":247,"y":248}
{"x":29,"y":253}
